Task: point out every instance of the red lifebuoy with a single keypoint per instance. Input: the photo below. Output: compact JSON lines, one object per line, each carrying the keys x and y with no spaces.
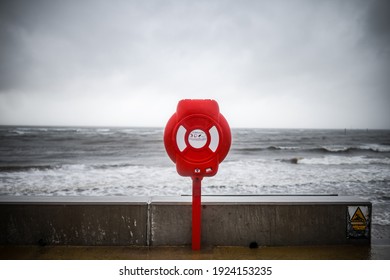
{"x":197,"y":137}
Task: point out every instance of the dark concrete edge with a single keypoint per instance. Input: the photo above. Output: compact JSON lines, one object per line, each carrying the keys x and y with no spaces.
{"x":183,"y":200}
{"x":75,"y":200}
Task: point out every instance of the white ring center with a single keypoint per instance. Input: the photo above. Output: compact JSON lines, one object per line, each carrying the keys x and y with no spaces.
{"x":197,"y":138}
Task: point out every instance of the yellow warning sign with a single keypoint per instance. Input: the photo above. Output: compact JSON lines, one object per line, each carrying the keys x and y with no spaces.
{"x":358,"y":221}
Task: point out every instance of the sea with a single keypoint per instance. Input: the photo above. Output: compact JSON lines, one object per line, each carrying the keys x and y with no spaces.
{"x":130,"y":161}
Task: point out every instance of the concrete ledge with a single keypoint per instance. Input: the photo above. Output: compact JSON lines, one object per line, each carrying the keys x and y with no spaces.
{"x":161,"y":221}
{"x":266,"y":220}
{"x":73,"y":220}
{"x":261,"y":199}
{"x":74,"y":200}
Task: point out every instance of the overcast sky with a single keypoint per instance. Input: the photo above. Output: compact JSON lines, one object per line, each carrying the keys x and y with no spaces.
{"x":282,"y":64}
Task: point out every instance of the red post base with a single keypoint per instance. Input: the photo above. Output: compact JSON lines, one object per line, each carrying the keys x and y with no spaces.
{"x":196,"y":212}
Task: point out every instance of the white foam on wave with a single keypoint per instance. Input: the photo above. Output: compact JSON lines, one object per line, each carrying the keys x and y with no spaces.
{"x":336,"y":148}
{"x":376,"y":147}
{"x":236,"y":176}
{"x":104,"y":131}
{"x":287,"y":148}
{"x":342,"y":160}
{"x":81,"y":179}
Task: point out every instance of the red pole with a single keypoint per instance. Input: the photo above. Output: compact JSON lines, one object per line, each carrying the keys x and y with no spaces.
{"x":196,"y":212}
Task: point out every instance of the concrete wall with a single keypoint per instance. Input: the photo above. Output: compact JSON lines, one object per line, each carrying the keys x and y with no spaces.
{"x":73,"y":221}
{"x":266,"y":220}
{"x":161,"y":221}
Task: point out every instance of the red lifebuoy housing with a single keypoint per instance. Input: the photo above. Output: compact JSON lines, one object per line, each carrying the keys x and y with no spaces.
{"x":197,"y":137}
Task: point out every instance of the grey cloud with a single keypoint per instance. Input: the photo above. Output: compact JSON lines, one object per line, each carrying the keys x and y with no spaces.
{"x":378,"y":23}
{"x":250,"y":48}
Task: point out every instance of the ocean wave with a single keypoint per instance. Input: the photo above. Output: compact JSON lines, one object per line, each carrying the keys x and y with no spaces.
{"x":24,"y":168}
{"x":247,"y":150}
{"x":341,"y":160}
{"x":284,"y":148}
{"x":113,"y":166}
{"x":65,"y":167}
{"x":380,"y":148}
{"x":376,"y":148}
{"x":269,"y":148}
